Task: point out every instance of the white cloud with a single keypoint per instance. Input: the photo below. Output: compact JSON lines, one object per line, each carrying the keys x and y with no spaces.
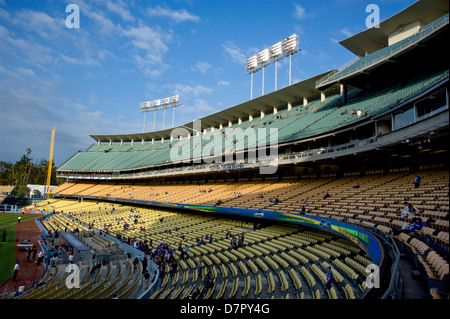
{"x":197,"y":109}
{"x":299,"y":12}
{"x":4,"y":14}
{"x":346,"y":32}
{"x":40,"y":23}
{"x":102,"y":54}
{"x":105,"y":25}
{"x":234,"y":52}
{"x":187,"y":90}
{"x":34,"y":53}
{"x":147,"y":38}
{"x":203,"y":106}
{"x":202,"y":67}
{"x":334,"y":40}
{"x":223,"y":83}
{"x":176,"y":15}
{"x":25,"y":72}
{"x":119,"y":8}
{"x":153,"y":42}
{"x":88,"y":61}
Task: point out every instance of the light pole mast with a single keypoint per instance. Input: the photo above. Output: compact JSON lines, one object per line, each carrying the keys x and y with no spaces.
{"x":282,"y":49}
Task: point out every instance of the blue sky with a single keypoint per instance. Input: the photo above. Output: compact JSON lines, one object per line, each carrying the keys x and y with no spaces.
{"x":91,"y":79}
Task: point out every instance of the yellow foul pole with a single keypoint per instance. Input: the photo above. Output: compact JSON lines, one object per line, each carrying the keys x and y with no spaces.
{"x":50,"y":165}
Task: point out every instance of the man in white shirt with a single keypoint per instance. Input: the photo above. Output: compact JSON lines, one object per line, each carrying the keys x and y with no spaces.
{"x":16,"y":270}
{"x":40,"y":258}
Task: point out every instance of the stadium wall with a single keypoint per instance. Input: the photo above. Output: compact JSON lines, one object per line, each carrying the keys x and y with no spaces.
{"x":360,"y":237}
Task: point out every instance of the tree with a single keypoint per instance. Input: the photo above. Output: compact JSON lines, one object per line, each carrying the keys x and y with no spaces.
{"x":25,"y":172}
{"x":5,"y":169}
{"x":21,"y":174}
{"x":36,"y":192}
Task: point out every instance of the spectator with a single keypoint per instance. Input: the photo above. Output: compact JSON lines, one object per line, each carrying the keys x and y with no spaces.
{"x":209,"y":281}
{"x":16,"y":270}
{"x":303,"y":209}
{"x":28,"y":255}
{"x":409,"y":209}
{"x":161,"y":275}
{"x":146,"y":279}
{"x":417,"y":181}
{"x":330,"y":278}
{"x":199,"y":266}
{"x":416,"y":225}
{"x":34,"y":251}
{"x":40,"y":258}
{"x":412,"y":228}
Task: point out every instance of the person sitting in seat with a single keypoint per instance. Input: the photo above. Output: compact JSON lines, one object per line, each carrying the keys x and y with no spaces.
{"x":412,"y":228}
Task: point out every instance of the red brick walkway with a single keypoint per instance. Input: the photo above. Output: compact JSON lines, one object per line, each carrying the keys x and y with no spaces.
{"x":24,"y":230}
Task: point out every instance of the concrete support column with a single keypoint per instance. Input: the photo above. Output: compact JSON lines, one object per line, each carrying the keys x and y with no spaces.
{"x":343,"y":92}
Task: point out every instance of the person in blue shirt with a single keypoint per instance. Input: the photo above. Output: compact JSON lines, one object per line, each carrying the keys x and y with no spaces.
{"x":330,"y":278}
{"x":417,"y":181}
{"x":416,"y":225}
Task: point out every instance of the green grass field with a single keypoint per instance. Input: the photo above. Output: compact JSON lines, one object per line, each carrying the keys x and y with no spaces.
{"x":7,"y":249}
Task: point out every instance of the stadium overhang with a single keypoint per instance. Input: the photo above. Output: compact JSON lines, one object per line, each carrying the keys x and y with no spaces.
{"x":136,"y":137}
{"x":292,"y":94}
{"x":374,"y":39}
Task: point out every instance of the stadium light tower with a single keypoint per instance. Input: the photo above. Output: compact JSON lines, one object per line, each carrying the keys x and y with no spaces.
{"x":161,"y":104}
{"x":276,"y":52}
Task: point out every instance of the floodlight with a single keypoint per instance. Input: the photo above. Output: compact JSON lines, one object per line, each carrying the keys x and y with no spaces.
{"x":276,"y":50}
{"x":161,"y":104}
{"x":263,"y":56}
{"x":251,"y":63}
{"x":290,"y":44}
{"x":282,"y":49}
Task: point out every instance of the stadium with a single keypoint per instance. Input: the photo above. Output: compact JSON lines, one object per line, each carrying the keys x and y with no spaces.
{"x":258,"y":200}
